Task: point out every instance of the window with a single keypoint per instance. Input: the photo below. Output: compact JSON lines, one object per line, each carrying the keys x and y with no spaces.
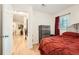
{"x":64,"y":21}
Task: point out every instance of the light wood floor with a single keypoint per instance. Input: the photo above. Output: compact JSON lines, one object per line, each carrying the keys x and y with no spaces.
{"x":20,"y":47}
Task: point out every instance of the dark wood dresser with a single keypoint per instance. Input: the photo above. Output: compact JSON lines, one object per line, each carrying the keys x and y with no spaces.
{"x":44,"y":31}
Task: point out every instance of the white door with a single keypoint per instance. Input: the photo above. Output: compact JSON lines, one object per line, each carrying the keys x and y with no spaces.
{"x":7,"y":28}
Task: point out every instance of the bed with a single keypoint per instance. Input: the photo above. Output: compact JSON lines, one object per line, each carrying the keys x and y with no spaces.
{"x":65,"y":44}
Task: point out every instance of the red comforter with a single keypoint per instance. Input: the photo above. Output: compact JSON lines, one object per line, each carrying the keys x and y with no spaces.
{"x":60,"y":45}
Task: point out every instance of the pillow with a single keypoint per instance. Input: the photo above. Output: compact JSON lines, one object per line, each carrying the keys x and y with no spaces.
{"x":71,"y":34}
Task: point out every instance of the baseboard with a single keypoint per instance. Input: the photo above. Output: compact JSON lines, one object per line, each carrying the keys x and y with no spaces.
{"x":35,"y":43}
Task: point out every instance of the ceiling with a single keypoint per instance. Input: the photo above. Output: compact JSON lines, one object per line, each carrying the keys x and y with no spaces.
{"x":51,"y":8}
{"x":48,"y":8}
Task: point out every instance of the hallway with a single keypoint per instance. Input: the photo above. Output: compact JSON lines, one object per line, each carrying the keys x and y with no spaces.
{"x":20,"y":47}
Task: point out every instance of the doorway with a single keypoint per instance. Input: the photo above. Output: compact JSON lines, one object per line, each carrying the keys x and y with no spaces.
{"x":20,"y":27}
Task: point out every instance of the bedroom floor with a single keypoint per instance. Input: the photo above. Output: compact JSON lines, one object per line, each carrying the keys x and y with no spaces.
{"x":20,"y":47}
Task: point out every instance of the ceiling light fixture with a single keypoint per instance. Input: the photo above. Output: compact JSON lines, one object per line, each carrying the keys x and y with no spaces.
{"x":43,"y":5}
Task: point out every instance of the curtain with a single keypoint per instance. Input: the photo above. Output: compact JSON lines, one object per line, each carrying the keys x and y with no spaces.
{"x":57,"y":30}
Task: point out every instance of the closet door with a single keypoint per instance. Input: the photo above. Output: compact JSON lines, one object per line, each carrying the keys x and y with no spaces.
{"x":7,"y":19}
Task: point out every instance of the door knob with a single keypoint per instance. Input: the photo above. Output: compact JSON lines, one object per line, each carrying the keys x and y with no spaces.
{"x":4,"y":36}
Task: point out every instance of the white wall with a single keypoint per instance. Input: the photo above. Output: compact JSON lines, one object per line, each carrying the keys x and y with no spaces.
{"x":74,"y":16}
{"x":39,"y":18}
{"x":0,"y":29}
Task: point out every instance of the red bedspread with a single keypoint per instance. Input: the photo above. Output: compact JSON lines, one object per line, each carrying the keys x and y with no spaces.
{"x":59,"y":45}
